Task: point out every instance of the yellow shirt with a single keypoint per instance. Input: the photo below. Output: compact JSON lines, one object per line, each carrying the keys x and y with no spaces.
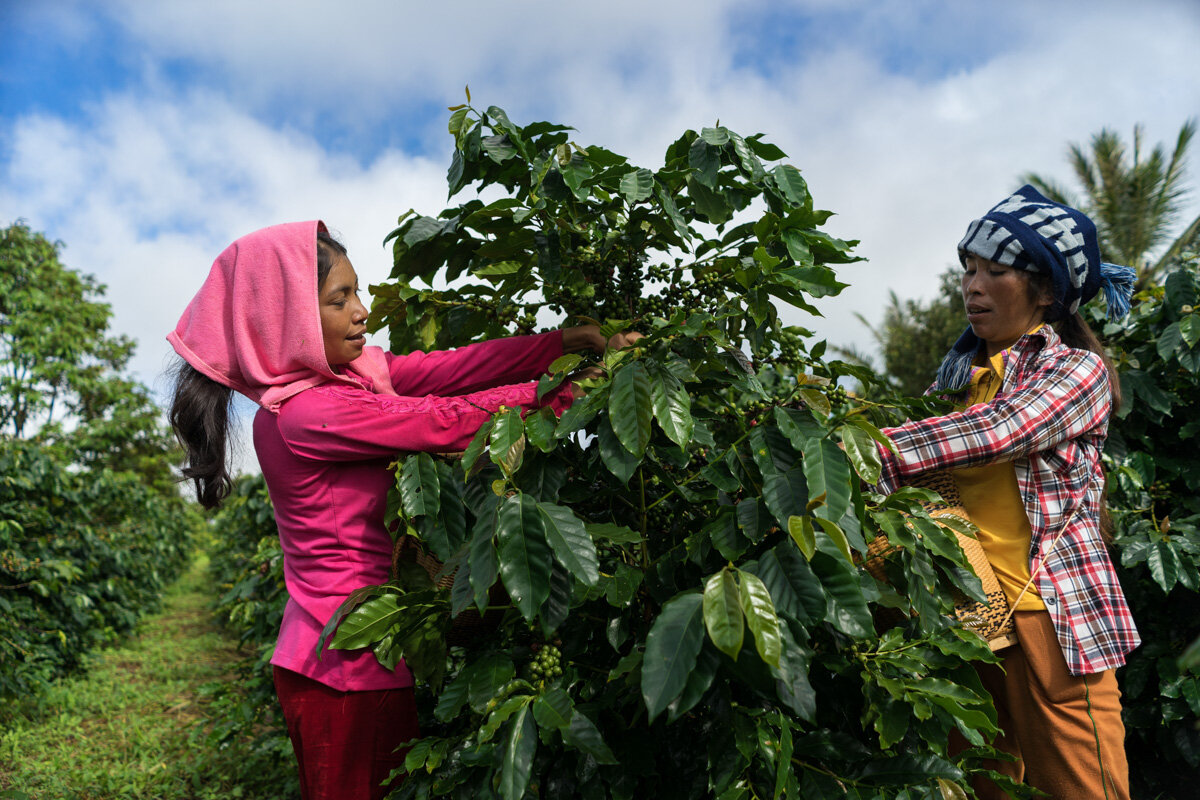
{"x":993,"y":501}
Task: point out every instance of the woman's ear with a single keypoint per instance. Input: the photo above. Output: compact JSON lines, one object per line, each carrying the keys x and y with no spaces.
{"x":1043,"y":293}
{"x":1045,"y":297}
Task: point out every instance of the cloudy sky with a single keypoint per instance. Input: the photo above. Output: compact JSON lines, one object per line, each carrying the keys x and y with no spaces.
{"x":148,"y":135}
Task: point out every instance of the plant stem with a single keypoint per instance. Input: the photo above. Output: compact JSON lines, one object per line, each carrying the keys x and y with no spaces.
{"x":642,"y":503}
{"x":696,"y":474}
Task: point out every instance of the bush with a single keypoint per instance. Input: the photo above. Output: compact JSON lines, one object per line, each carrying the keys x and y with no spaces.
{"x":83,"y":555}
{"x":677,"y":559}
{"x":247,"y":565}
{"x":1154,"y":491}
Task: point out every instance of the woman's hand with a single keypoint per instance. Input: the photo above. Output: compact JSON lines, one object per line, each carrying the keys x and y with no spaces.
{"x":589,"y":337}
{"x":587,"y":373}
{"x":623,"y":339}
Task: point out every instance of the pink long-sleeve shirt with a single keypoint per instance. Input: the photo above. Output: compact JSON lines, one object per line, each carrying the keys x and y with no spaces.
{"x":325,"y":455}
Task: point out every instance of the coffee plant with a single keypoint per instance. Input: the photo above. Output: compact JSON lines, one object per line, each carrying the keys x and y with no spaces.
{"x":83,"y":556}
{"x":246,"y":566}
{"x":672,"y":570}
{"x":1154,"y":491}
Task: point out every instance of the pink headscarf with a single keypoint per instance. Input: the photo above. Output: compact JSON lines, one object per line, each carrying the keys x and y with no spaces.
{"x":255,"y":324}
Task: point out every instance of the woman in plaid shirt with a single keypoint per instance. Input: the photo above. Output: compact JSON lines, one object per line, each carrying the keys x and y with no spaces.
{"x":1025,"y":454}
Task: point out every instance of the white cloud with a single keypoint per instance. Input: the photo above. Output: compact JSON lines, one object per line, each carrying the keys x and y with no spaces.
{"x":148,"y":185}
{"x":146,"y":194}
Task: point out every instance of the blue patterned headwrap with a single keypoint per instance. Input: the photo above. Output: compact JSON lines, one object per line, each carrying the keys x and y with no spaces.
{"x":1030,"y":232}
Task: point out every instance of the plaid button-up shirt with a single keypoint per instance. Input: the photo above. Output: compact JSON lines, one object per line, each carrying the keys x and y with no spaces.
{"x":1050,"y":418}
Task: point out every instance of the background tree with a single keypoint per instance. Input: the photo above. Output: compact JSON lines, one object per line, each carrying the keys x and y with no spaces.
{"x":1134,"y":201}
{"x":62,"y":379}
{"x":53,"y":331}
{"x":91,"y":527}
{"x":1134,"y":198}
{"x":915,"y":336}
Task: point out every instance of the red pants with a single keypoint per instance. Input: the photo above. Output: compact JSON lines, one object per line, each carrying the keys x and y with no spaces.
{"x":345,"y":742}
{"x":1065,"y":730}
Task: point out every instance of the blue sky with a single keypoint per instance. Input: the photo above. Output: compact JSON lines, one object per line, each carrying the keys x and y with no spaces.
{"x":148,"y":135}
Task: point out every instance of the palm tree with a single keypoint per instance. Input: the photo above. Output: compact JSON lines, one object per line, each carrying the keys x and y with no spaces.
{"x":1134,"y":203}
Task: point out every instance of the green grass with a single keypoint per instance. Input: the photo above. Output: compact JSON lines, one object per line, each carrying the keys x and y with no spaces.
{"x":125,"y":727}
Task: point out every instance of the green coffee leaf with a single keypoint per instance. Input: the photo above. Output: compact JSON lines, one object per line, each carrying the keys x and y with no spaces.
{"x":482,"y":560}
{"x":802,"y":533}
{"x":637,"y":185}
{"x":554,"y":709}
{"x":791,"y":184}
{"x":847,"y":608}
{"x":863,"y":455}
{"x":836,"y":535}
{"x":475,"y":448}
{"x":618,"y":460}
{"x":517,"y":762}
{"x":618,"y":534}
{"x":760,"y":616}
{"x":795,"y":589}
{"x":581,"y":412}
{"x":630,"y":407}
{"x":672,"y":646}
{"x":420,"y":486}
{"x":507,"y":442}
{"x":723,"y":616}
{"x":369,"y":622}
{"x":828,"y":474}
{"x":525,"y":556}
{"x":583,"y":735}
{"x":571,"y":543}
{"x":539,"y":429}
{"x":672,"y":407}
{"x":705,"y":160}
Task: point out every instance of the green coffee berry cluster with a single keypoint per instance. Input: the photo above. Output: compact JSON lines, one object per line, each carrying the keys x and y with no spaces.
{"x":654,"y":306}
{"x":836,"y":394}
{"x":756,"y":407}
{"x":601,"y":283}
{"x":664,"y":272}
{"x":705,"y":293}
{"x":659,"y":518}
{"x":546,"y":663}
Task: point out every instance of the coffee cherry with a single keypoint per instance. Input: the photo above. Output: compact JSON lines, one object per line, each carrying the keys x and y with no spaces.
{"x":546,"y":663}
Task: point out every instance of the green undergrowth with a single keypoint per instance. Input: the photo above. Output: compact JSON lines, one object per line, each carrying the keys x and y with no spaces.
{"x":126,"y":727}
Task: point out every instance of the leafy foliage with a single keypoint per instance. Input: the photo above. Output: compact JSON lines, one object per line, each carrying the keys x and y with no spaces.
{"x":52,"y":330}
{"x":247,"y":566}
{"x":915,"y":336}
{"x":1154,"y":488}
{"x":61,"y":371}
{"x":688,"y":536}
{"x":82,"y":557}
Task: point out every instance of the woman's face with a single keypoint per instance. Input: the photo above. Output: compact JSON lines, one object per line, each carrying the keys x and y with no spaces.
{"x":1000,"y":304}
{"x":342,"y":314}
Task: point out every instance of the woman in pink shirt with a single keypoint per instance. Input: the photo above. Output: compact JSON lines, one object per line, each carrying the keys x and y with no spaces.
{"x":279,"y":320}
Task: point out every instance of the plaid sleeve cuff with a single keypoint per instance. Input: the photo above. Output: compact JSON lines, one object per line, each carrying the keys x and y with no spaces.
{"x":889,"y":476}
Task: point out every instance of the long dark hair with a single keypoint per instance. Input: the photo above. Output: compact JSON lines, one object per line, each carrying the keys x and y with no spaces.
{"x":200,"y":405}
{"x":200,"y":417}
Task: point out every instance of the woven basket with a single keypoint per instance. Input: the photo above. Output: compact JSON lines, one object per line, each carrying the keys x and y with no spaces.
{"x":469,"y":626}
{"x":991,"y":620}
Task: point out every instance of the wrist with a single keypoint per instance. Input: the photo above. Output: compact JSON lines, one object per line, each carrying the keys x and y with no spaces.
{"x":582,"y":337}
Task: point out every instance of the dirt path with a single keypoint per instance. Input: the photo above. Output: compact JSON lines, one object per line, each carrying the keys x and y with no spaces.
{"x":124,"y":728}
